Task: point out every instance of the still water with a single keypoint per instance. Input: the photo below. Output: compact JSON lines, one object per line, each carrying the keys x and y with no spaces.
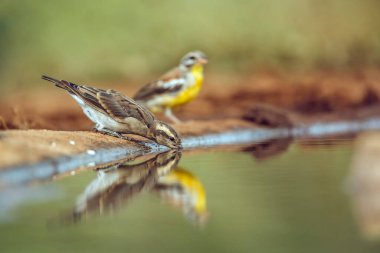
{"x":287,"y":199}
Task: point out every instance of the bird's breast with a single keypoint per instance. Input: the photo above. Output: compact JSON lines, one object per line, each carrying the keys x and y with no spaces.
{"x":191,"y":90}
{"x":193,"y":85}
{"x":102,"y":120}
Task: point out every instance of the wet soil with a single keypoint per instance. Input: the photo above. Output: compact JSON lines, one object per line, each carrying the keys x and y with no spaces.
{"x":25,"y":147}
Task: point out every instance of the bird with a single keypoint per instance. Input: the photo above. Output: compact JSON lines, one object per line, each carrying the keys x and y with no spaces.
{"x":175,"y":88}
{"x":115,"y":114}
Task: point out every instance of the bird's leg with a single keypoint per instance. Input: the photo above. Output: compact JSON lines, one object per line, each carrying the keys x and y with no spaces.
{"x":118,"y":135}
{"x":169,"y":114}
{"x":114,"y":134}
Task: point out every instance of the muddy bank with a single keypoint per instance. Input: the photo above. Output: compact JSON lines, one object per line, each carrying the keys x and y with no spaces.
{"x":307,"y":94}
{"x":20,"y":147}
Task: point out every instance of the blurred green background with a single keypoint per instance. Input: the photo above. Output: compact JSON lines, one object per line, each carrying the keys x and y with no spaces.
{"x":118,"y":40}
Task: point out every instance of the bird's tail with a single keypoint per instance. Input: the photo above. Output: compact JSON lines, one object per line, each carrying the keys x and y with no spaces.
{"x":70,"y":87}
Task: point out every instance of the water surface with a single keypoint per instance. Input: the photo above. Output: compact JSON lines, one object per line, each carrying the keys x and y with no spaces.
{"x":292,"y":199}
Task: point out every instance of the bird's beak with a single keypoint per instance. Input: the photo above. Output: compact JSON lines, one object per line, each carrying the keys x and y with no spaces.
{"x":203,"y":61}
{"x":179,"y":146}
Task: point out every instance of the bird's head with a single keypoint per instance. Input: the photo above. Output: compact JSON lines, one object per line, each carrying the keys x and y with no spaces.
{"x":165,"y":135}
{"x":167,"y":161}
{"x":194,"y":58}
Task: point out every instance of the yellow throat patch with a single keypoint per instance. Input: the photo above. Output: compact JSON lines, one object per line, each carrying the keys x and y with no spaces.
{"x":192,"y":91}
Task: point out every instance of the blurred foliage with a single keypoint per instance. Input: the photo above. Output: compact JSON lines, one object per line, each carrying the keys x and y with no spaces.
{"x":117,"y":40}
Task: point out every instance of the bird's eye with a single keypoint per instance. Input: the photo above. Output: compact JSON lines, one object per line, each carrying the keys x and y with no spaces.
{"x":171,"y":138}
{"x":192,"y":58}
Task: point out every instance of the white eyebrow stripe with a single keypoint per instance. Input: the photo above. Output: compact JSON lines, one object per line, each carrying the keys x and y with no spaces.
{"x":170,"y":134}
{"x":166,"y":130}
{"x":161,"y":127}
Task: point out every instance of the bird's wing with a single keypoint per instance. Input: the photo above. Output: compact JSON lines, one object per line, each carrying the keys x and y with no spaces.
{"x":86,"y":93}
{"x":172,"y":81}
{"x":109,"y":102}
{"x":89,"y":94}
{"x":121,"y":107}
{"x":171,"y":74}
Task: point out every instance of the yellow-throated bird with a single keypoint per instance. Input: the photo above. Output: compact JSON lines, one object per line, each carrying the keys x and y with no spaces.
{"x":115,"y":114}
{"x":177,"y":87}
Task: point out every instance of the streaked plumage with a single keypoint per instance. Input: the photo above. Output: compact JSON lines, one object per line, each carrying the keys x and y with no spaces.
{"x":177,"y":87}
{"x":114,"y":113}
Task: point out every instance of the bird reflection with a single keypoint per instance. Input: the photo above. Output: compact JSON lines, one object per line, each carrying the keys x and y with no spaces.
{"x":268,"y":149}
{"x":116,"y":184}
{"x":183,"y":190}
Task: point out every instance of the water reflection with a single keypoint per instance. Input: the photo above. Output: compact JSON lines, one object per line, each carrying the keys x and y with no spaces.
{"x":271,"y":148}
{"x":364,"y":185}
{"x":333,"y":142}
{"x":11,"y":198}
{"x":116,"y":184}
{"x":182,"y":190}
{"x":268,"y":149}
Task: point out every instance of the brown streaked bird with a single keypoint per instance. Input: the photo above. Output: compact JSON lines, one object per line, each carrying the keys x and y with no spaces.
{"x":177,"y":87}
{"x":115,"y":114}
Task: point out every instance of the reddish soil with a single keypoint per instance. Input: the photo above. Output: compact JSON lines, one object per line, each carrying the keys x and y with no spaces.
{"x":286,"y":95}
